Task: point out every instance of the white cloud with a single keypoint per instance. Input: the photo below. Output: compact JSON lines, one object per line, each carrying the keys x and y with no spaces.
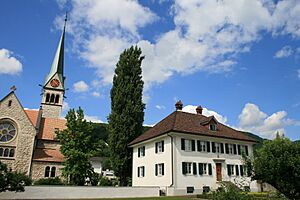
{"x":8,"y":63}
{"x":205,"y":112}
{"x":160,"y":107}
{"x":94,"y":119}
{"x":286,"y":51}
{"x":96,"y":94}
{"x":254,"y":120}
{"x":298,"y":73}
{"x":80,"y":86}
{"x":65,"y":106}
{"x":198,"y":42}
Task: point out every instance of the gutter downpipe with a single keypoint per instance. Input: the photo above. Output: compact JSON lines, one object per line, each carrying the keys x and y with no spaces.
{"x":172,"y":161}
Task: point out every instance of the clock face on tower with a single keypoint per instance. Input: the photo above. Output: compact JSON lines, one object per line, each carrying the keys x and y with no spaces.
{"x":54,"y":83}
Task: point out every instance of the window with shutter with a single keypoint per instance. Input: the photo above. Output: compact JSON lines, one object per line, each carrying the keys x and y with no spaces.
{"x":159,"y":147}
{"x":159,"y":169}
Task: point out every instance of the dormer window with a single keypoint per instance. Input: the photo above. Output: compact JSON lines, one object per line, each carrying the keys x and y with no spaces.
{"x":213,"y":127}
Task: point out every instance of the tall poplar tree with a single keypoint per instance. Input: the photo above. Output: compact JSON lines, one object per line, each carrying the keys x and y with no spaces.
{"x":127,"y":111}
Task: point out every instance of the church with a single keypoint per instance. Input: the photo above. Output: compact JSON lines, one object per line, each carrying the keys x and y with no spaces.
{"x":27,"y":137}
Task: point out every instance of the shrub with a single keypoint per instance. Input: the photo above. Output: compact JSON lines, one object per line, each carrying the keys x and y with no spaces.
{"x":105,"y":181}
{"x":230,"y":192}
{"x":49,"y":181}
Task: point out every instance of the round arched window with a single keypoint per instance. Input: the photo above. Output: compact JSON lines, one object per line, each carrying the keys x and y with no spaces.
{"x":7,"y":131}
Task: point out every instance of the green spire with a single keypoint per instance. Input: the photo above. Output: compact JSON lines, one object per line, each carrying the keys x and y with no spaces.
{"x":58,"y":62}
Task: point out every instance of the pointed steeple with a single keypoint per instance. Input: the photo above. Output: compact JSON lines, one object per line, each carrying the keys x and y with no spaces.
{"x":58,"y":62}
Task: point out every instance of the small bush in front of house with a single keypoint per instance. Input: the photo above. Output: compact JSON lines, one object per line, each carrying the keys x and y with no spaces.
{"x":105,"y":181}
{"x":230,"y":192}
{"x":49,"y":181}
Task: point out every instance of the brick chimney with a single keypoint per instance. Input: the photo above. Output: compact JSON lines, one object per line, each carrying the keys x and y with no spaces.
{"x":178,"y":105}
{"x":199,"y":110}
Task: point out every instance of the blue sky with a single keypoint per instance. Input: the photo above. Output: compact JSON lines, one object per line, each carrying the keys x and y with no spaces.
{"x":240,"y":60}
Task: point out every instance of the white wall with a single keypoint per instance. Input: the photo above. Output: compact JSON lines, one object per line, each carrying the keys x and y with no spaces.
{"x":181,"y":182}
{"x":149,"y":160}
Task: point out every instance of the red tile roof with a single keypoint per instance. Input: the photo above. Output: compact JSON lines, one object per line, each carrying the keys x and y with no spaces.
{"x":48,"y":126}
{"x":189,"y":123}
{"x":48,"y":155}
{"x":32,"y":115}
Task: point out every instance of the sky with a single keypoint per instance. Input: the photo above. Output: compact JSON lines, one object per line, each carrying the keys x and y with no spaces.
{"x":238,"y":59}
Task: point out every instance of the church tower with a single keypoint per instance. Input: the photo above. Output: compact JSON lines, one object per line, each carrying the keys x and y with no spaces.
{"x":54,"y":89}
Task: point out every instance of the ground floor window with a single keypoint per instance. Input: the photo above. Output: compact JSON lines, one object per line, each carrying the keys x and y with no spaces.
{"x":159,"y":169}
{"x":50,"y":172}
{"x":205,"y":168}
{"x":141,"y":171}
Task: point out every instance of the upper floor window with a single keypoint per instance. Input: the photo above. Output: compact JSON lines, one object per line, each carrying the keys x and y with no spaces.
{"x":57,"y":98}
{"x":52,"y":98}
{"x":217,"y":147}
{"x":141,"y":171}
{"x":212,"y":127}
{"x":243,"y":149}
{"x":230,"y":148}
{"x":205,"y":169}
{"x":47,"y":97}
{"x":189,"y":168}
{"x":159,"y":169}
{"x":159,"y":147}
{"x":7,"y":131}
{"x":141,"y":151}
{"x":203,"y":146}
{"x":187,"y":145}
{"x":9,"y":103}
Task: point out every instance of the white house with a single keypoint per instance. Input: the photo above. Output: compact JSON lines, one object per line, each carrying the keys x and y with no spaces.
{"x":185,"y":152}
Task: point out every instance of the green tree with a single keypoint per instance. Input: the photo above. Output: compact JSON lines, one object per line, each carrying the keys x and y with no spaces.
{"x":127,"y":111}
{"x":12,"y":181}
{"x":277,"y":163}
{"x":77,"y":146}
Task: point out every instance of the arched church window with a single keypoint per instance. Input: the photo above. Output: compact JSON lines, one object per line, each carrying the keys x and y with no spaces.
{"x":57,"y":98}
{"x":11,"y":153}
{"x":1,"y":151}
{"x":7,"y":131}
{"x":47,"y":171}
{"x":6,"y":152}
{"x":52,"y":98}
{"x":47,"y":97}
{"x":53,"y":169}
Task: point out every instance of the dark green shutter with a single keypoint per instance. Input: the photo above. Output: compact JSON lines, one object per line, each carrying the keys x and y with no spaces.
{"x":239,"y":149}
{"x":144,"y":150}
{"x":162,"y":143}
{"x":208,"y":146}
{"x":182,"y":144}
{"x":156,"y":147}
{"x":139,"y":152}
{"x":226,"y":148}
{"x":138,"y":171}
{"x":222,"y":148}
{"x":209,"y":169}
{"x":195,"y":168}
{"x":193,"y":145}
{"x":228,"y":170}
{"x":163,"y":169}
{"x":200,"y":168}
{"x":237,"y":170}
{"x":246,"y":149}
{"x":242,"y":170}
{"x":156,"y":169}
{"x":213,"y":147}
{"x":183,"y":168}
{"x":234,"y":149}
{"x":199,"y":146}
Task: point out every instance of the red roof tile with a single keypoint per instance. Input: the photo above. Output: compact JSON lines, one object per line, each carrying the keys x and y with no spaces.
{"x":48,"y":126}
{"x":183,"y":122}
{"x":48,"y":155}
{"x":32,"y":115}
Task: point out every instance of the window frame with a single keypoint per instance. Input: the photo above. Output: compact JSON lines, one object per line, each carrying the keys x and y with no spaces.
{"x":141,"y":171}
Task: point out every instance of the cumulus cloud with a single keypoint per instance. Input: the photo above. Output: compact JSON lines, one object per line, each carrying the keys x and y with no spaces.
{"x":80,"y":86}
{"x":298,"y":73}
{"x":94,"y":119}
{"x":8,"y":63}
{"x":96,"y":94}
{"x":205,"y":112}
{"x":198,"y":42}
{"x":286,"y":51}
{"x":254,"y":120}
{"x":65,"y":106}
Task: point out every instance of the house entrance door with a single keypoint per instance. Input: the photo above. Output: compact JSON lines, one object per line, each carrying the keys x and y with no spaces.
{"x":219,"y":171}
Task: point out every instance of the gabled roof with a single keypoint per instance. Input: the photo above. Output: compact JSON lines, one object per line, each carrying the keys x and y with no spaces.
{"x":189,"y":123}
{"x":48,"y":126}
{"x":33,"y":116}
{"x":48,"y":155}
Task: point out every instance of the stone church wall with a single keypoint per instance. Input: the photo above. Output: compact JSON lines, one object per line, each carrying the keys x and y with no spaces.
{"x":24,"y":139}
{"x":38,"y":169}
